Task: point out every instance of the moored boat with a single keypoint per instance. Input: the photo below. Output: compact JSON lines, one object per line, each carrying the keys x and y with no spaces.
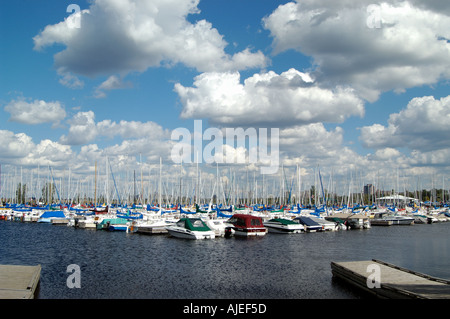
{"x":326,"y":224}
{"x":310,"y":225}
{"x":49,"y":216}
{"x":395,"y":219}
{"x":246,"y":225}
{"x":218,"y":225}
{"x":107,"y":222}
{"x":191,"y":228}
{"x":283,"y":226}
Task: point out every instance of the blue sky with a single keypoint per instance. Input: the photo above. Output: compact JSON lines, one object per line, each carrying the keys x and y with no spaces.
{"x":345,"y":95}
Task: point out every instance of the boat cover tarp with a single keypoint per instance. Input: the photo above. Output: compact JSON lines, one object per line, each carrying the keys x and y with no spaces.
{"x":114,"y":221}
{"x":283,"y":221}
{"x":182,"y":211}
{"x":195,"y":224}
{"x":220,"y":214}
{"x":307,"y":221}
{"x":53,"y":214}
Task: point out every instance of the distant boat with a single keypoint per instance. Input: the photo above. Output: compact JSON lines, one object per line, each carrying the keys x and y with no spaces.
{"x":284,"y":226}
{"x":395,"y":219}
{"x":154,"y":224}
{"x":310,"y":225}
{"x":246,"y":225}
{"x":327,"y":225}
{"x":100,"y":210}
{"x":49,"y":216}
{"x":106,"y":223}
{"x":218,"y":225}
{"x":191,"y":228}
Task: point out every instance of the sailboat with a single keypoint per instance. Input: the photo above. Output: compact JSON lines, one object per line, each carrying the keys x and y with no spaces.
{"x":154,"y":222}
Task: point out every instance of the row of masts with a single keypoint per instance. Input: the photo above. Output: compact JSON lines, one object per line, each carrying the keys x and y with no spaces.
{"x":190,"y":186}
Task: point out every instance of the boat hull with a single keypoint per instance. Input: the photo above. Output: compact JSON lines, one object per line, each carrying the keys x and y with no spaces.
{"x":250,"y":232}
{"x":184,"y":233}
{"x":284,"y":229}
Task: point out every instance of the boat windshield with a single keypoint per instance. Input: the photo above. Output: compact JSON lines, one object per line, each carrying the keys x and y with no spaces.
{"x":255,"y":222}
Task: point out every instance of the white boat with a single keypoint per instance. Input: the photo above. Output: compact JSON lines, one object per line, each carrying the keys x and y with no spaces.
{"x":283,"y":226}
{"x":5,"y":213}
{"x":50,"y":216}
{"x":89,"y":222}
{"x":218,"y":225}
{"x":395,"y":219}
{"x":326,"y":225}
{"x":310,"y":225}
{"x":191,"y":228}
{"x":339,"y":224}
{"x":154,"y":226}
{"x":419,"y":218}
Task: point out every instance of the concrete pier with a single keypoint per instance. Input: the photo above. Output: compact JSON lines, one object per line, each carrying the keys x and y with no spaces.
{"x":393,"y":282}
{"x":19,"y":282}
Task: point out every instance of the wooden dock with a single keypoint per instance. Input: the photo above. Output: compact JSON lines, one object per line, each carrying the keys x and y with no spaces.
{"x":379,"y":222}
{"x":19,"y":282}
{"x":394,"y":282}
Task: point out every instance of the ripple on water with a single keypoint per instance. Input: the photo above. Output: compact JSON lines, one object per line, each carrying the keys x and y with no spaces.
{"x":120,"y":265}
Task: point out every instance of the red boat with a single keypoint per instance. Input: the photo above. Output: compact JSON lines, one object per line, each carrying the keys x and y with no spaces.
{"x":99,"y":210}
{"x":246,"y":225}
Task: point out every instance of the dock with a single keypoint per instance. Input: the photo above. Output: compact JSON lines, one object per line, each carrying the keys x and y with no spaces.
{"x":380,"y":222}
{"x":394,"y":282}
{"x":19,"y":282}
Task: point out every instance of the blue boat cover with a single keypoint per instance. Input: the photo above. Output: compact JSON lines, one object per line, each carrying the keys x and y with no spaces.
{"x":307,"y":221}
{"x":53,"y":214}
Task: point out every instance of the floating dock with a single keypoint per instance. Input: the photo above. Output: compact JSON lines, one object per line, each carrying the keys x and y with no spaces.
{"x":379,"y":222}
{"x":394,"y":282}
{"x":19,"y":282}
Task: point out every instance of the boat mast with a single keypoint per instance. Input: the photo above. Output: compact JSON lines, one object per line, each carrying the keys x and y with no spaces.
{"x":95,"y":186}
{"x":159,"y":188}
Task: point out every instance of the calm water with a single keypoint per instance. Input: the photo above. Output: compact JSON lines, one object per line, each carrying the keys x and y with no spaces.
{"x":120,"y":265}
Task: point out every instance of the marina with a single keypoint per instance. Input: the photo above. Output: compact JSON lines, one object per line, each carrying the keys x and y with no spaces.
{"x":294,"y":262}
{"x":193,"y":149}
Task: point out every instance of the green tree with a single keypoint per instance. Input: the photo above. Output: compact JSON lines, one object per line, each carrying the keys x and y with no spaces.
{"x":48,"y":193}
{"x":21,"y":193}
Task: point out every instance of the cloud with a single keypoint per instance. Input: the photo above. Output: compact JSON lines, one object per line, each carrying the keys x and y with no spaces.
{"x":14,"y":146}
{"x":285,"y":99}
{"x":49,"y":153}
{"x":422,"y":125}
{"x":69,"y":80}
{"x":410,"y":47}
{"x":112,"y":83}
{"x":83,"y":129}
{"x":123,"y":36}
{"x":19,"y":149}
{"x":35,"y":112}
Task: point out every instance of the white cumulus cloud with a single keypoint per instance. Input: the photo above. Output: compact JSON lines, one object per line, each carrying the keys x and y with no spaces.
{"x":35,"y":112}
{"x":123,"y":36}
{"x":393,"y":45}
{"x":423,"y":125}
{"x":285,"y":99}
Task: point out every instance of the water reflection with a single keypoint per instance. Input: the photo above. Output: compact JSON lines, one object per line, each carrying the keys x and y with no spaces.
{"x":119,"y":265}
